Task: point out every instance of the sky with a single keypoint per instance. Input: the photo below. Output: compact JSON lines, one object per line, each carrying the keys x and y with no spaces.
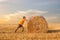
{"x":13,"y":10}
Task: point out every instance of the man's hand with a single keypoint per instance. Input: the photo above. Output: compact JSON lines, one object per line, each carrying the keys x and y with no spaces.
{"x":26,"y":20}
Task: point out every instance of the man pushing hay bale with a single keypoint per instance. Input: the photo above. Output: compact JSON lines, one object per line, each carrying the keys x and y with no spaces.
{"x":37,"y":24}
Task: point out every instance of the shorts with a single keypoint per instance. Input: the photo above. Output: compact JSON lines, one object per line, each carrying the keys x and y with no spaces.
{"x":20,"y":25}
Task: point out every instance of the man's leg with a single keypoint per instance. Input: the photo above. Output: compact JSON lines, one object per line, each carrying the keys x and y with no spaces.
{"x":22,"y":29}
{"x":17,"y":28}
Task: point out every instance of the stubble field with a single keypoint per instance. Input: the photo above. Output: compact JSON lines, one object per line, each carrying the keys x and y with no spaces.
{"x":7,"y":33}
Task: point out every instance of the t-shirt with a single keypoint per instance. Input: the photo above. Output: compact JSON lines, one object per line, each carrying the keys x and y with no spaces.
{"x":21,"y":21}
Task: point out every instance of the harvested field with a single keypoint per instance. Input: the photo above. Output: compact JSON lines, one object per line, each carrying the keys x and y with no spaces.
{"x":29,"y":36}
{"x":7,"y":33}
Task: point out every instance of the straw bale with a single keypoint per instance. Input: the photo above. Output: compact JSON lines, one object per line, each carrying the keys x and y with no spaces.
{"x":37,"y":24}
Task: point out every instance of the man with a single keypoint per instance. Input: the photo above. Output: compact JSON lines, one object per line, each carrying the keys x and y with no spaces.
{"x":21,"y":22}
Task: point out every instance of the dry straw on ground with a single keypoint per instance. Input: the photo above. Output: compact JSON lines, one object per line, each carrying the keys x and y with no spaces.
{"x":37,"y":24}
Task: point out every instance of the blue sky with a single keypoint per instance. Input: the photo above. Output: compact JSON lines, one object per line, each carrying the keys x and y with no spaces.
{"x":52,"y":7}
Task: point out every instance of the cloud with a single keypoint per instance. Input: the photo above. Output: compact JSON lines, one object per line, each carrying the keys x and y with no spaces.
{"x":11,"y":1}
{"x":3,"y":0}
{"x":29,"y":13}
{"x":47,"y":2}
{"x":51,"y":17}
{"x":19,"y":14}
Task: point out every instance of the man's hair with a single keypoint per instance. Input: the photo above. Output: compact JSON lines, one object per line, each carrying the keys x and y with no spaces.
{"x":24,"y":17}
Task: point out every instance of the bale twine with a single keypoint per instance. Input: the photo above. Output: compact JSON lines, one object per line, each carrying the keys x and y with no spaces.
{"x":37,"y":24}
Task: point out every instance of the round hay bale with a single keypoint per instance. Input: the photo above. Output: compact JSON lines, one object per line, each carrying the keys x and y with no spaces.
{"x":37,"y":24}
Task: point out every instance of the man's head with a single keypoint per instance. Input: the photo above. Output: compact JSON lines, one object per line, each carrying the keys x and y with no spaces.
{"x":24,"y":17}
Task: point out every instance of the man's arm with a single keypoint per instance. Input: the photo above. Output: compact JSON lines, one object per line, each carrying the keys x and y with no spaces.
{"x":26,"y":20}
